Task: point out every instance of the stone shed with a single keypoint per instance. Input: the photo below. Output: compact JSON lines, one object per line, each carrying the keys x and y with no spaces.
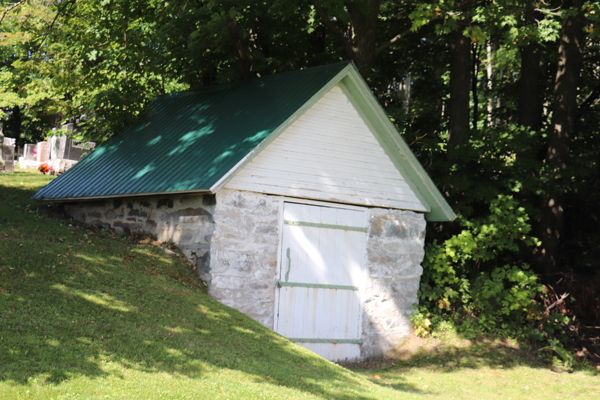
{"x":293,"y":194}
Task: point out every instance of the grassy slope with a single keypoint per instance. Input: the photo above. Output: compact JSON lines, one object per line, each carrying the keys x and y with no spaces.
{"x":88,"y":315}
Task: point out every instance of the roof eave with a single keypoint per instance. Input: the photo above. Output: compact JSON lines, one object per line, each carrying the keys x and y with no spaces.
{"x":117,"y":196}
{"x":374,"y":115}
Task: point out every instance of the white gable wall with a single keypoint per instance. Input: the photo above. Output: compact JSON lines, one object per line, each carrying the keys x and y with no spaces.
{"x":328,"y":154}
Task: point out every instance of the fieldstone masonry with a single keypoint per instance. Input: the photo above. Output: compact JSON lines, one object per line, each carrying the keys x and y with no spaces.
{"x":395,"y":250}
{"x":244,"y":247}
{"x":233,"y":238}
{"x":185,"y":220}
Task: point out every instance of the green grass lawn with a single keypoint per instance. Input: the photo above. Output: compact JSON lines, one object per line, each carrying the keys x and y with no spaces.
{"x":85,"y":314}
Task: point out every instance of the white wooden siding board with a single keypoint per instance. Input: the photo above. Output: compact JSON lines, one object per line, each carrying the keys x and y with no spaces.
{"x":335,"y":116}
{"x":285,"y":325}
{"x":325,"y":174}
{"x":318,"y":265}
{"x":354,"y":248}
{"x":337,"y":138}
{"x":335,"y":93}
{"x":327,"y":244}
{"x":296,"y":184}
{"x":327,"y":153}
{"x":306,"y":166}
{"x":338,"y":318}
{"x":339,"y":352}
{"x":295,"y":142}
{"x":310,"y":125}
{"x":322,"y":324}
{"x":305,"y":246}
{"x":276,"y":156}
{"x":333,"y":106}
{"x":300,"y":299}
{"x":335,"y":103}
{"x":326,"y":180}
{"x":316,"y":195}
{"x":309,"y":319}
{"x":333,"y":121}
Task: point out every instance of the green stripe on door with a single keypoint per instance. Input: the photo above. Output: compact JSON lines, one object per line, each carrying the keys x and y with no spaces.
{"x":318,"y":225}
{"x":312,"y":340}
{"x":317,"y":285}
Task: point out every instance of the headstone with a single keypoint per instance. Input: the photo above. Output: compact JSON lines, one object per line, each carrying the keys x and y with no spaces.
{"x":52,"y":145}
{"x":30,"y":152}
{"x":42,"y":152}
{"x":75,"y":151}
{"x":28,"y":157}
{"x":9,"y":157}
{"x":7,"y":153}
{"x":2,"y":163}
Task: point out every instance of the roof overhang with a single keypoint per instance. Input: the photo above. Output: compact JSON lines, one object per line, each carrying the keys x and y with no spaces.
{"x":121,"y":196}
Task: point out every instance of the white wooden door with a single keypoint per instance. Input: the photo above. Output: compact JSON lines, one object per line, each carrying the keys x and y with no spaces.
{"x":321,"y":268}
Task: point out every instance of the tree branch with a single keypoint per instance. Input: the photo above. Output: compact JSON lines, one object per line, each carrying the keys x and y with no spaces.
{"x":589,"y":101}
{"x":390,"y":42}
{"x":334,"y":29}
{"x":9,"y":9}
{"x":58,"y":13}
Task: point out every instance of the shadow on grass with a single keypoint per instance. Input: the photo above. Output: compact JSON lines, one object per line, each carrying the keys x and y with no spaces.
{"x":76,"y":302}
{"x":440,"y":357}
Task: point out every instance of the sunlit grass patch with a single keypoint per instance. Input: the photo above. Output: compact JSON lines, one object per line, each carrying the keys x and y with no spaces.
{"x":86,"y":314}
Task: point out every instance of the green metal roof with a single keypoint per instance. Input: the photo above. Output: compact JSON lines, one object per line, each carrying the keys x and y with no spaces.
{"x":187,"y":141}
{"x":196,"y":141}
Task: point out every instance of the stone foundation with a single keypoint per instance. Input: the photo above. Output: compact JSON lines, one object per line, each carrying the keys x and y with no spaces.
{"x":185,"y":220}
{"x":243,"y":263}
{"x":395,"y":250}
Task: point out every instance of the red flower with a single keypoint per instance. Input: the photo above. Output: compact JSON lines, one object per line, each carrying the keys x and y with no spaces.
{"x":44,"y":168}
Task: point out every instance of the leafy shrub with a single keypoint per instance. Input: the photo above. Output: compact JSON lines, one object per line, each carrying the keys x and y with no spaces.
{"x":466,"y":280}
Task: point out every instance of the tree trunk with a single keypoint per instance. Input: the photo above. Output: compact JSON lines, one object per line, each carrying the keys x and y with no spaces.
{"x":364,"y":24}
{"x":244,"y":61}
{"x":564,"y":112}
{"x":489,"y":77}
{"x":361,"y":47}
{"x":530,"y":101}
{"x":460,"y":75}
{"x":475,"y":71}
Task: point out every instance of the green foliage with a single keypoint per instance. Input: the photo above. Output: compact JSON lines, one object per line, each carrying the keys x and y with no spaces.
{"x":566,"y":357}
{"x":465,"y":279}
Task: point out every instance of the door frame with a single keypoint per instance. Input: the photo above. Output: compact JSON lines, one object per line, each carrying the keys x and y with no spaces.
{"x":279,"y":251}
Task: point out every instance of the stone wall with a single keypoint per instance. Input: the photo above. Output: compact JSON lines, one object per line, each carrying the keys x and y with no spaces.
{"x":186,"y":220}
{"x":233,"y":238}
{"x":395,"y":250}
{"x":243,"y":263}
